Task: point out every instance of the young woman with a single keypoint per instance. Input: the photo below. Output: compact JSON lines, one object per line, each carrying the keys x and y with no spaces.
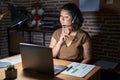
{"x":70,"y":42}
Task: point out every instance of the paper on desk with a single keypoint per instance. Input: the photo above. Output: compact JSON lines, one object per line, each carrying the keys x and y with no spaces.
{"x":78,"y":69}
{"x":12,"y":60}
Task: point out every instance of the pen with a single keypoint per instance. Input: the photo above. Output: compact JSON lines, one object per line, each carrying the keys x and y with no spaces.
{"x":69,"y":68}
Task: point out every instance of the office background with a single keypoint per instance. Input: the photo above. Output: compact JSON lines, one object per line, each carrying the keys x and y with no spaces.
{"x":103,"y":26}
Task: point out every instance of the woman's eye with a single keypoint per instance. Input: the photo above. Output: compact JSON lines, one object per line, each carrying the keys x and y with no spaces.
{"x":66,"y":17}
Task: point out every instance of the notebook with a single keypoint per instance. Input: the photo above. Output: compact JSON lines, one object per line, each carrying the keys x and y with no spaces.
{"x":39,"y":59}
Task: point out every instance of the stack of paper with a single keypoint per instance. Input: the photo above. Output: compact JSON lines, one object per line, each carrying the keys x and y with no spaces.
{"x":78,"y":69}
{"x":12,"y":60}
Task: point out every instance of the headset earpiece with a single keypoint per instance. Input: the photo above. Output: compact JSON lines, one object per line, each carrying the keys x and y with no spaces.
{"x":74,"y":18}
{"x":74,"y":23}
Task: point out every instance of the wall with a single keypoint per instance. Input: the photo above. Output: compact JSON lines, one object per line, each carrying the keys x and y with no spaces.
{"x":51,"y":8}
{"x":104,"y":31}
{"x":103,"y":27}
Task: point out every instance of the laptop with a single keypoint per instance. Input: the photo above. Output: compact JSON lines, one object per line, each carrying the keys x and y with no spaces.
{"x":39,"y":59}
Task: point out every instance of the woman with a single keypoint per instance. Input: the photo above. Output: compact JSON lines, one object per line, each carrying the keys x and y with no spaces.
{"x":70,"y":42}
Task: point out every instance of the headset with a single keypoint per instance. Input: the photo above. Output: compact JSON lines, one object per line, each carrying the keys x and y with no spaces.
{"x":74,"y":22}
{"x":74,"y":18}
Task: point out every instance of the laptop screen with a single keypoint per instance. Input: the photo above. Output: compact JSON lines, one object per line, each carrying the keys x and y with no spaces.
{"x":37,"y":58}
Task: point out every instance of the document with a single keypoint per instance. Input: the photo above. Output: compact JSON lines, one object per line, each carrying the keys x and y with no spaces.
{"x":12,"y":60}
{"x":78,"y":69}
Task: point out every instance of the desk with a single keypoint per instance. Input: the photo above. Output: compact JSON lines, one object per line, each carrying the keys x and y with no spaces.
{"x":93,"y":75}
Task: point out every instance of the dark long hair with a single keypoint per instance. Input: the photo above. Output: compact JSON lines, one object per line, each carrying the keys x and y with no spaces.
{"x":77,"y":18}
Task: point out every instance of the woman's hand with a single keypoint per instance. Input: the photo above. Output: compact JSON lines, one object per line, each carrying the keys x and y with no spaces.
{"x":64,"y":35}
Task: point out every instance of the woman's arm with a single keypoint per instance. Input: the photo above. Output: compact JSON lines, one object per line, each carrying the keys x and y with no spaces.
{"x":86,"y":52}
{"x":55,"y":47}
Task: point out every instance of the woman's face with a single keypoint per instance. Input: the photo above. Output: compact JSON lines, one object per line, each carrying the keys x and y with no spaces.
{"x":65,"y":18}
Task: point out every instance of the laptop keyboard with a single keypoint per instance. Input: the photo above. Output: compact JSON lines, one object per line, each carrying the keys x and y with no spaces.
{"x":59,"y":68}
{"x":56,"y":70}
{"x":56,"y":67}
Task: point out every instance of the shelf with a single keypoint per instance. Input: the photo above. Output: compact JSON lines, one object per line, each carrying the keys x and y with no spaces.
{"x":29,"y":31}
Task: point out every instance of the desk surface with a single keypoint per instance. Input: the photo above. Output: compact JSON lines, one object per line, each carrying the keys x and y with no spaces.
{"x":93,"y":75}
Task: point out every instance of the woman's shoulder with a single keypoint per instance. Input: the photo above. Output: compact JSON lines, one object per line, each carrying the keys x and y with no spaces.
{"x":80,"y":31}
{"x":84,"y":35}
{"x":58,"y":30}
{"x":57,"y":33}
